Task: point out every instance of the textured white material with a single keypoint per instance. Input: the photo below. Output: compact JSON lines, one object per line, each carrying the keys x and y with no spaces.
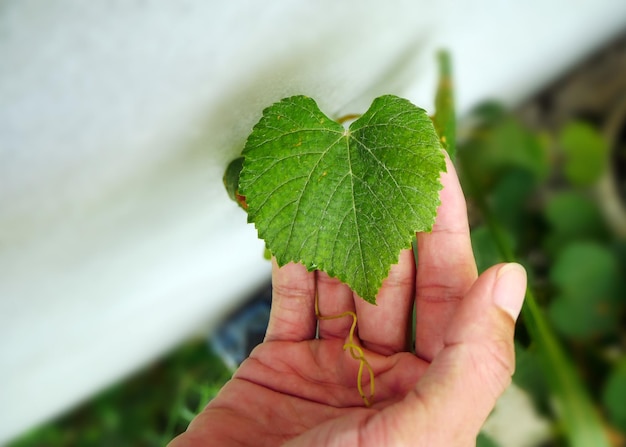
{"x":117,"y":119}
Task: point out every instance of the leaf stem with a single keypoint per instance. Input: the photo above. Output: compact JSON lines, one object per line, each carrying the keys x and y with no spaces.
{"x":348,"y":117}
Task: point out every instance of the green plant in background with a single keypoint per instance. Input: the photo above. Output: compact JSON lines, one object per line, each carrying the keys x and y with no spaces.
{"x":538,"y":203}
{"x":147,"y":410}
{"x":585,"y":152}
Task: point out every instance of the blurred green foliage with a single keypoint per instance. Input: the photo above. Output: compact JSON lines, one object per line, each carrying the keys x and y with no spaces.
{"x":147,"y":410}
{"x":484,"y":441}
{"x":586,"y":305}
{"x":540,"y":190}
{"x":585,"y":153}
{"x":614,"y":396}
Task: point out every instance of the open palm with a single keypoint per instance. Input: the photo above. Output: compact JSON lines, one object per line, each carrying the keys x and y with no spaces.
{"x":299,"y":387}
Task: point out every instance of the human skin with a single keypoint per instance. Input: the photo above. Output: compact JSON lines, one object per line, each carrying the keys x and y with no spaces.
{"x":299,"y":389}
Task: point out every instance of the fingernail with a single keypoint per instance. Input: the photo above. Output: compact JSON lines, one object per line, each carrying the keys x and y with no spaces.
{"x":510,"y":288}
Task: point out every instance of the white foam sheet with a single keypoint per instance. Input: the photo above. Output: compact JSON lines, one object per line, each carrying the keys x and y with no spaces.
{"x":117,"y":120}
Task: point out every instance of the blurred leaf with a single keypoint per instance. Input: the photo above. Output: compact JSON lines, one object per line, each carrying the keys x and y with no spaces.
{"x":485,"y":248}
{"x":586,"y":275}
{"x":529,"y":377}
{"x":585,"y":151}
{"x":582,"y":319}
{"x":497,"y":147}
{"x":513,"y":144}
{"x":581,"y":424}
{"x":572,"y":217}
{"x":485,"y":441}
{"x":585,"y":268}
{"x":614,"y":396}
{"x":231,"y":181}
{"x":509,"y":199}
{"x":231,"y":177}
{"x":488,"y":113}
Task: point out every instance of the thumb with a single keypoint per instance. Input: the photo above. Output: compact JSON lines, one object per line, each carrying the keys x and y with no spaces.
{"x":478,"y":359}
{"x":462,"y":384}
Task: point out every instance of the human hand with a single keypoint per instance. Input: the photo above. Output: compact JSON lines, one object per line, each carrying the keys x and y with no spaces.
{"x":299,"y":390}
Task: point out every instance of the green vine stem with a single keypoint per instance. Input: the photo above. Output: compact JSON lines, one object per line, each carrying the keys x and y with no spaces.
{"x":445,"y":118}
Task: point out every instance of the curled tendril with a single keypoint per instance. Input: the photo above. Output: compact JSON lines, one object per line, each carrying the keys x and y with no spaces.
{"x":355,"y":351}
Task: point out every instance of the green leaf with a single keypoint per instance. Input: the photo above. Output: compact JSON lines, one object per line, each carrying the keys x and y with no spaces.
{"x":513,"y":144}
{"x":585,"y":268}
{"x":572,"y":217}
{"x":499,"y":145}
{"x":231,"y":181}
{"x":509,"y":200}
{"x":485,"y":247}
{"x":586,"y":153}
{"x":587,"y":277}
{"x":488,"y":113}
{"x":345,"y":201}
{"x":582,"y":424}
{"x":485,"y":441}
{"x":529,"y":377}
{"x":614,"y":396}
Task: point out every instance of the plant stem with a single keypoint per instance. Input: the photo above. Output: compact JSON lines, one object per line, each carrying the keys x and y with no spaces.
{"x":445,"y":117}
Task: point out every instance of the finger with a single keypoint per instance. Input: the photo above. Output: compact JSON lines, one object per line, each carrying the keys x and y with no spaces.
{"x":335,"y":298}
{"x":461,"y":386}
{"x":446,"y":267}
{"x":384,"y":328}
{"x":478,"y":360}
{"x":292,"y":317}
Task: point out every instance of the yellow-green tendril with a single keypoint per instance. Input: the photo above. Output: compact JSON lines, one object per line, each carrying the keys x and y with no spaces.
{"x":355,"y":351}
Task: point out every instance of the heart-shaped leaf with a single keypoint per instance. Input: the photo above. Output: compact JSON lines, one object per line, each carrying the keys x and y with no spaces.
{"x":345,"y":201}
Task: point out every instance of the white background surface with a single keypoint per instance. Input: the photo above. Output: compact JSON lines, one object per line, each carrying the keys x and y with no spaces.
{"x":117,"y":119}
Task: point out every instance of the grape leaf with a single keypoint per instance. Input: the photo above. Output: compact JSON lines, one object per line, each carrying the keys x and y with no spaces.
{"x":345,"y":201}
